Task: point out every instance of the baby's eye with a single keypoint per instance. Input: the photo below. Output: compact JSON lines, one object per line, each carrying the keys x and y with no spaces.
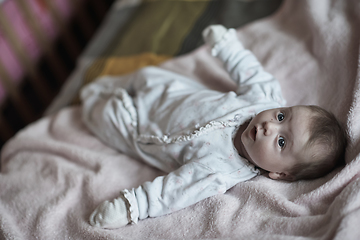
{"x":281,"y":142}
{"x":280,"y":117}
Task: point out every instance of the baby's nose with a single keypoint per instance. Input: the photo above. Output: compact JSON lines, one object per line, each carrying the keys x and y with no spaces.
{"x":269,"y":128}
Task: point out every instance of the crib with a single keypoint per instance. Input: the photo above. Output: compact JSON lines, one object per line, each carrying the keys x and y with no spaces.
{"x":54,"y":172}
{"x":39,"y":52}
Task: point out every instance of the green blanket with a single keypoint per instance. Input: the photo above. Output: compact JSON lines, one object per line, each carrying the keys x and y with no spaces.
{"x":161,"y":29}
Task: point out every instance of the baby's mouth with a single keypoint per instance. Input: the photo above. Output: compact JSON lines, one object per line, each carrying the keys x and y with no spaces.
{"x":253,"y":133}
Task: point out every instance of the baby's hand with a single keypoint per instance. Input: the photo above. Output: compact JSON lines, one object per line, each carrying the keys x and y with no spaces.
{"x":213,"y":34}
{"x":110,"y":215}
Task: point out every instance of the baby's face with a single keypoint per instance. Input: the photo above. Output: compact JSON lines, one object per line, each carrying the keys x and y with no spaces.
{"x":275,"y":138}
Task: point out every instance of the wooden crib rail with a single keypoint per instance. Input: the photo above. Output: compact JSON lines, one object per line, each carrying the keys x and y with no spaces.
{"x":26,"y":100}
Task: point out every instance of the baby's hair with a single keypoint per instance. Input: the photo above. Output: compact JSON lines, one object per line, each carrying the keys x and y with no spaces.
{"x":325,"y":147}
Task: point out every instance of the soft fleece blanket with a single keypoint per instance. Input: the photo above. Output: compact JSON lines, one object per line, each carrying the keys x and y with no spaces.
{"x":54,"y":172}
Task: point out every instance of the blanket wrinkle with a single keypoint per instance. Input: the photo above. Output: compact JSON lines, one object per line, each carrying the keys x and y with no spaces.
{"x":353,"y":118}
{"x":8,"y":227}
{"x":326,"y":194}
{"x":82,"y":157}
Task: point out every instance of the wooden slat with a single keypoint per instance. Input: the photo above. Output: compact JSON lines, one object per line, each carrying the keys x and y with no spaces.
{"x":6,"y":131}
{"x":79,"y":10}
{"x":25,"y":61}
{"x":71,"y":44}
{"x":85,"y":22}
{"x":20,"y":103}
{"x":72,"y":48}
{"x":99,"y":7}
{"x":56,"y":64}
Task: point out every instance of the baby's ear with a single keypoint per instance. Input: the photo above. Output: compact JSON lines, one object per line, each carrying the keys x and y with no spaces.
{"x":281,"y":176}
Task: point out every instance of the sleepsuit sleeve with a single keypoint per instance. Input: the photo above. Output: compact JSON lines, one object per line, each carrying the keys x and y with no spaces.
{"x":245,"y":69}
{"x":181,"y":188}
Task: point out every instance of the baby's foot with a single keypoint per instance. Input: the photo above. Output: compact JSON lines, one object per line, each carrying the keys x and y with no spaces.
{"x":110,"y":214}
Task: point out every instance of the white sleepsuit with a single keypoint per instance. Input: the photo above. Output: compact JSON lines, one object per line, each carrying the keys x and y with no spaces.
{"x":181,"y":127}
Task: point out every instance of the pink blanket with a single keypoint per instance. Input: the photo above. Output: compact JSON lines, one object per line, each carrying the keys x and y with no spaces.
{"x":54,"y":172}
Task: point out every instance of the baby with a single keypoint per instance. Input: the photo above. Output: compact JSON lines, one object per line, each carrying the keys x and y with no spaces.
{"x":207,"y":141}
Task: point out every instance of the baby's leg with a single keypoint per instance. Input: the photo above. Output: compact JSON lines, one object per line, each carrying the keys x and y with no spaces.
{"x":110,"y":114}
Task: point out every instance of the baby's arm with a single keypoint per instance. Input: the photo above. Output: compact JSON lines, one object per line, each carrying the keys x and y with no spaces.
{"x":241,"y":64}
{"x":187,"y":185}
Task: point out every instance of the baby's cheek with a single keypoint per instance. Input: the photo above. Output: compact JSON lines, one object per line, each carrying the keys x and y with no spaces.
{"x":259,"y":154}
